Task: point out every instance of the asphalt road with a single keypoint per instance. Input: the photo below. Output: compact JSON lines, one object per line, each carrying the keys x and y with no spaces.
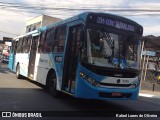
{"x":24,"y":95}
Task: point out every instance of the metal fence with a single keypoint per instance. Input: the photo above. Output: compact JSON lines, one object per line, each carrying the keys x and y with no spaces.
{"x":150,"y":69}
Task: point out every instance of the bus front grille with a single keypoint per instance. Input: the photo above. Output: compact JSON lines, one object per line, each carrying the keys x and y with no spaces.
{"x":111,"y":72}
{"x":115,"y":85}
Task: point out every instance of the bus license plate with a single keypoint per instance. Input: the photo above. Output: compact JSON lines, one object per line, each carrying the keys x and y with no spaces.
{"x":116,"y":94}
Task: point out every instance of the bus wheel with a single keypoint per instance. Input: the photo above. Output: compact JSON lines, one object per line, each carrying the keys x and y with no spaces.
{"x":53,"y":86}
{"x":18,"y":76}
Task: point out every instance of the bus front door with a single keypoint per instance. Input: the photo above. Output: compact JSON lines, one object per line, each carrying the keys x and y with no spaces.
{"x":32,"y":57}
{"x":71,"y":59}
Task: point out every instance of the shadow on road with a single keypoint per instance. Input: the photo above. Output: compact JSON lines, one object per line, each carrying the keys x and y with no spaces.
{"x":29,"y":99}
{"x":37,"y":99}
{"x":83,"y":104}
{"x":93,"y":105}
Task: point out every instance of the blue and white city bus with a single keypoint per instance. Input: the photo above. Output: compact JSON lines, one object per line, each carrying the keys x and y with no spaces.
{"x":91,"y":56}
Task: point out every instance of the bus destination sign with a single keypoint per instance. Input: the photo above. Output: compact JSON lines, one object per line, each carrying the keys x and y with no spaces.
{"x":116,"y":24}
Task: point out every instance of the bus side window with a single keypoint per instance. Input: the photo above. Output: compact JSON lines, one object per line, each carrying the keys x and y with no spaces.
{"x":28,"y":44}
{"x":13,"y":46}
{"x":19,"y":45}
{"x":34,"y":42}
{"x":78,"y":39}
{"x":16,"y":45}
{"x":23,"y":45}
{"x":60,"y":36}
{"x":22,"y":41}
{"x":49,"y":40}
{"x":41,"y":42}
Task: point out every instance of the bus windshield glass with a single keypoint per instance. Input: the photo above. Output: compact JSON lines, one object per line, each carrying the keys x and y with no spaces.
{"x":112,"y":50}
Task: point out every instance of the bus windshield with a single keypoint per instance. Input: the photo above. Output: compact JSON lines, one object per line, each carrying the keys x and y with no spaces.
{"x":111,"y":50}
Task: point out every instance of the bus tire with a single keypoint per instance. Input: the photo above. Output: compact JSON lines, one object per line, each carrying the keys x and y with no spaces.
{"x":18,"y":76}
{"x":52,"y":86}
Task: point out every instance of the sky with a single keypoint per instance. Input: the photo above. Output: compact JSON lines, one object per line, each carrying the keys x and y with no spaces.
{"x":15,"y":13}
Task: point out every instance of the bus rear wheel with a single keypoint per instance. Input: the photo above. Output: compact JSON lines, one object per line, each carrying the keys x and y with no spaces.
{"x":18,"y":76}
{"x":53,"y":86}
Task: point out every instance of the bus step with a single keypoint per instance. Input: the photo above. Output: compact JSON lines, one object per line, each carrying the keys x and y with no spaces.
{"x":67,"y":92}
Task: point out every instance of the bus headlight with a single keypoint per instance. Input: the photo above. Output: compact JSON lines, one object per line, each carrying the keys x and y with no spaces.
{"x":89,"y":80}
{"x":135,"y":84}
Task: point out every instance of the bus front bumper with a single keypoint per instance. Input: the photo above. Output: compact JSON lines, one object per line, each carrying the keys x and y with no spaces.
{"x":88,"y":91}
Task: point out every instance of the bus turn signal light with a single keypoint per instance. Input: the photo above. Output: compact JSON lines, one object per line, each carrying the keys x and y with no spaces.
{"x":89,"y":80}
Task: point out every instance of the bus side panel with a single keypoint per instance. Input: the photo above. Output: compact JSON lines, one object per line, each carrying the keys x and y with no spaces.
{"x":42,"y":67}
{"x":57,"y":61}
{"x":15,"y":64}
{"x":45,"y":62}
{"x":22,"y":59}
{"x":11,"y":61}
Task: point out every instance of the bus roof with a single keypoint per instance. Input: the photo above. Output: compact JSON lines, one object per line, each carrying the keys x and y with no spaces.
{"x":83,"y":17}
{"x":17,"y":38}
{"x":32,"y":32}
